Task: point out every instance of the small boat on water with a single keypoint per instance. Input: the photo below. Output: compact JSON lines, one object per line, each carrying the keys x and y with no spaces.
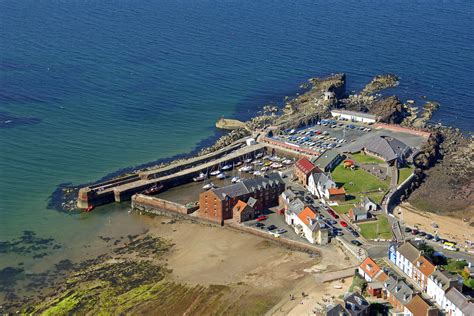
{"x":208,"y":186}
{"x":235,"y":179}
{"x":153,"y":190}
{"x":215,"y":172}
{"x":201,"y":177}
{"x":227,"y":167}
{"x":246,"y":169}
{"x":89,"y":208}
{"x":221,"y":175}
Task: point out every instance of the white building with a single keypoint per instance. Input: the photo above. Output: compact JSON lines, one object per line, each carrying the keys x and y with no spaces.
{"x":354,"y":116}
{"x":406,"y":256}
{"x":320,"y":183}
{"x":306,"y":225}
{"x":250,"y":141}
{"x":439,"y":283}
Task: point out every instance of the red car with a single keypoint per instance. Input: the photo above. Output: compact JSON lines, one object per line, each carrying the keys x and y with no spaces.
{"x":262,"y":218}
{"x":334,"y":215}
{"x":343,"y":224}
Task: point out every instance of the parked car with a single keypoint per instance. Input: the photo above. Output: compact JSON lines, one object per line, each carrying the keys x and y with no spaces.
{"x":407,"y":230}
{"x":436,"y":238}
{"x":271,"y":227}
{"x":262,"y":218}
{"x":343,"y":224}
{"x":429,"y":236}
{"x":356,"y":242}
{"x":422,"y":233}
{"x":415,"y":231}
{"x":281,"y":231}
{"x":259,"y":224}
{"x":332,"y":222}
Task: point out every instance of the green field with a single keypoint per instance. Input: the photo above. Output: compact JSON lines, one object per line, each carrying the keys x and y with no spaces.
{"x":404,"y":173}
{"x":342,"y":209}
{"x":378,"y":229}
{"x":366,"y":159}
{"x":358,"y":181}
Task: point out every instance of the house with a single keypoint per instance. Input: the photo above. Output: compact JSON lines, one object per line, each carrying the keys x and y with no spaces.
{"x":286,"y":198}
{"x":307,"y":225}
{"x":328,"y":160}
{"x":217,"y":204}
{"x":439,"y":283}
{"x":375,"y":289}
{"x":319,"y":183}
{"x":244,"y":211}
{"x":336,"y":310}
{"x":399,"y":293}
{"x":422,"y":269}
{"x":356,"y":304}
{"x":389,"y":149}
{"x":418,"y":306}
{"x":335,"y":194}
{"x":368,"y":204}
{"x":294,"y":208}
{"x":392,"y":253}
{"x":303,"y":169}
{"x":354,"y":116}
{"x":357,"y":214}
{"x":371,"y":271}
{"x":457,"y":304}
{"x":407,"y":253}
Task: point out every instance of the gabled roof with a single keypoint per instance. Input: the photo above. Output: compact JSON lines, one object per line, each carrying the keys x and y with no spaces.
{"x":402,"y":292}
{"x":321,"y":177}
{"x":296,"y":206}
{"x":418,"y":306}
{"x":443,"y":278}
{"x":387,"y":147}
{"x":239,"y":206}
{"x":410,"y":252}
{"x":424,"y":265}
{"x":460,"y":301}
{"x":370,"y":267}
{"x":306,"y":215}
{"x":326,"y":158}
{"x":355,"y":303}
{"x":337,"y":191}
{"x":356,"y":211}
{"x":304,"y":165}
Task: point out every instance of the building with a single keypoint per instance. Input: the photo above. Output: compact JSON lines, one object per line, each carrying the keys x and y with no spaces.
{"x":303,"y":169}
{"x":439,"y":283}
{"x":375,"y":289}
{"x":457,"y":304}
{"x":371,"y":271}
{"x":217,"y":204}
{"x":319,"y":183}
{"x":357,"y":214}
{"x":389,"y":149}
{"x":418,"y":306}
{"x":407,"y":253}
{"x":294,"y":208}
{"x":244,"y":211}
{"x":250,"y":141}
{"x":354,"y":116}
{"x":399,"y":294}
{"x":356,"y":304}
{"x":422,"y":269}
{"x":286,"y":198}
{"x":336,"y":310}
{"x":335,"y":194}
{"x":368,"y":204}
{"x":328,"y":160}
{"x":306,"y":224}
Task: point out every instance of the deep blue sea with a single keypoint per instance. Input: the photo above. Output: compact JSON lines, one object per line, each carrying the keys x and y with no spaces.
{"x":89,"y":87}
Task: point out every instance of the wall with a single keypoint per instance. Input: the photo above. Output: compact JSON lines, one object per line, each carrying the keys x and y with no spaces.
{"x":157,"y":206}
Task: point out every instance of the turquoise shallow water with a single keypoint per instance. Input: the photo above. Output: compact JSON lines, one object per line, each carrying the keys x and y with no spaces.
{"x":110,"y":84}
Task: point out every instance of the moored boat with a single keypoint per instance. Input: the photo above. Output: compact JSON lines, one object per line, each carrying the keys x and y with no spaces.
{"x":221,"y":175}
{"x":235,"y":179}
{"x":215,"y":172}
{"x":201,"y":177}
{"x":208,"y":186}
{"x":227,"y":167}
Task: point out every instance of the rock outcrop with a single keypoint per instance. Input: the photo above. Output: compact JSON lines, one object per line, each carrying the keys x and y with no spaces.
{"x":389,"y":110}
{"x":380,"y":83}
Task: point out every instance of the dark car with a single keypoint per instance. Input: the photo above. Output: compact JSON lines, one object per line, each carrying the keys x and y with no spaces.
{"x":415,"y":232}
{"x":332,"y":222}
{"x":356,"y":243}
{"x":407,"y":229}
{"x":259,"y":224}
{"x":429,"y":236}
{"x":307,"y":199}
{"x":271,"y":227}
{"x":355,"y":234}
{"x":421,"y":233}
{"x":436,"y":238}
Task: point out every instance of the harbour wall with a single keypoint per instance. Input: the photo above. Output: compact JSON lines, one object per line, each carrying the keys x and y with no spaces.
{"x":159,"y":206}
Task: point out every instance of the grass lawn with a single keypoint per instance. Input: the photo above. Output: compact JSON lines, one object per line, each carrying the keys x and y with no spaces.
{"x":357,"y":181}
{"x":366,"y":159}
{"x":371,"y":231}
{"x":342,"y":209}
{"x":404,"y":173}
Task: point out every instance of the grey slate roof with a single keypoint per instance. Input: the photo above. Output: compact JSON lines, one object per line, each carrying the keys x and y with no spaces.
{"x":325,"y":159}
{"x":288,"y":194}
{"x":336,"y":310}
{"x":359,"y":211}
{"x":444,"y":279}
{"x":410,"y":252}
{"x":402,"y":292}
{"x":387,"y":147}
{"x":355,"y":303}
{"x":366,"y":201}
{"x":248,"y":186}
{"x":296,"y":206}
{"x":460,"y":301}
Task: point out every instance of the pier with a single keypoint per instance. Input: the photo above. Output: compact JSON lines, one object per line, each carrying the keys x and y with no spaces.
{"x":122,"y":189}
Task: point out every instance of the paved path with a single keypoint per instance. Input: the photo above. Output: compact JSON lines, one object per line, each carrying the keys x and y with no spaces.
{"x":335,"y":275}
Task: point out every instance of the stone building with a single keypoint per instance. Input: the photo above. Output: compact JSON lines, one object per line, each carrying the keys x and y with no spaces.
{"x":303,"y":169}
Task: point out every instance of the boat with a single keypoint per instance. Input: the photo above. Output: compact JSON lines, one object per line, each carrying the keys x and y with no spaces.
{"x":208,"y":186}
{"x":89,"y":208}
{"x":248,"y":160}
{"x":276,"y":165}
{"x":337,"y":286}
{"x":221,"y":175}
{"x":287,"y":161}
{"x":246,"y":169}
{"x":263,"y":169}
{"x":238,"y":163}
{"x":215,"y":172}
{"x":227,"y":167}
{"x":235,"y":179}
{"x":201,"y":177}
{"x":259,"y":155}
{"x":257,"y":173}
{"x":154,"y":189}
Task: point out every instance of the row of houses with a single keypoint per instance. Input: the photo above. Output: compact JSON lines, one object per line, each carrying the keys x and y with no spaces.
{"x":440,"y":286}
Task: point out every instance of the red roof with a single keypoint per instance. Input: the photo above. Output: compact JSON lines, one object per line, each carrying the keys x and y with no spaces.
{"x":306,"y":214}
{"x":370,"y":267}
{"x":335,"y":191}
{"x":305,"y":165}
